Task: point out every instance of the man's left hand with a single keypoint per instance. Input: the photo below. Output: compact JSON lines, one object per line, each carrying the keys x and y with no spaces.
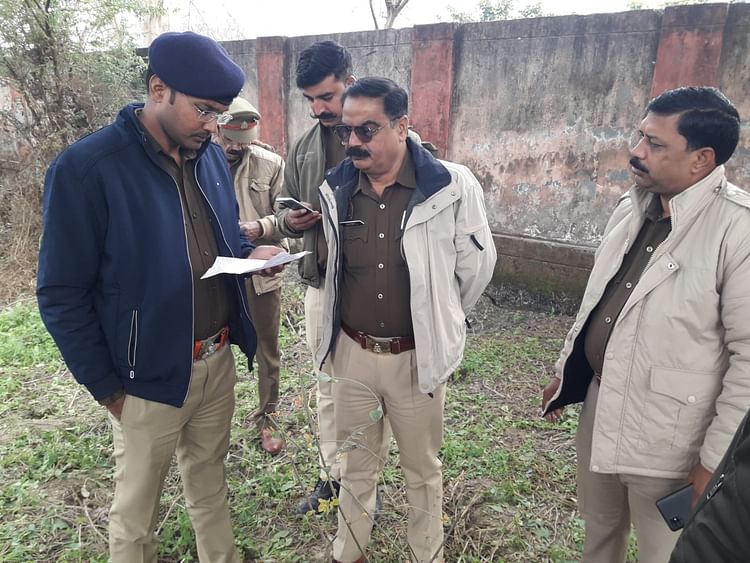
{"x":264,"y":252}
{"x":699,"y":476}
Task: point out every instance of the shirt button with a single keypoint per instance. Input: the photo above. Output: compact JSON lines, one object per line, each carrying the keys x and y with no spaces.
{"x":382,"y":325}
{"x":380,"y":295}
{"x":609,"y":355}
{"x":691,"y":399}
{"x":382,"y":206}
{"x":195,"y":215}
{"x":381,"y":266}
{"x":608,"y":320}
{"x":594,"y":468}
{"x":649,"y":249}
{"x":628,"y":285}
{"x":671,"y":266}
{"x":205,"y":253}
{"x":381,"y":235}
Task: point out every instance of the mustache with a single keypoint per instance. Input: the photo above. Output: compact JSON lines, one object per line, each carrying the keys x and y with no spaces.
{"x":327,"y":115}
{"x":636,"y":163}
{"x":357,"y":152}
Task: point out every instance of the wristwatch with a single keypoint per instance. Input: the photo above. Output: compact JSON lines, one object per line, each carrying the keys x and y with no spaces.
{"x":106,"y":401}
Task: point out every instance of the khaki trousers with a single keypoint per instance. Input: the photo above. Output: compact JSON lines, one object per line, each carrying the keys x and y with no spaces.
{"x":265,"y":310}
{"x":363,"y":382}
{"x":610,"y":502}
{"x":324,"y":399}
{"x":146,"y":437}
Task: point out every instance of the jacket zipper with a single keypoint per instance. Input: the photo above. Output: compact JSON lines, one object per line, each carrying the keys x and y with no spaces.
{"x":716,"y":487}
{"x":133,"y":342}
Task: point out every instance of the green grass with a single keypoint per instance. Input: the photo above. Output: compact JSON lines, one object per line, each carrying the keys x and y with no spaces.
{"x":509,"y":476}
{"x":26,"y":343}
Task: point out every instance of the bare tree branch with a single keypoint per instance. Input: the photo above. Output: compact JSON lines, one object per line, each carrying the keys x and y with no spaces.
{"x":393,"y":8}
{"x":374,"y":17}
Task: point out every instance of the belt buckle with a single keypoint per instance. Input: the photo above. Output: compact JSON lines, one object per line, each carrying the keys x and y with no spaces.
{"x":374,"y":346}
{"x":209,"y":351}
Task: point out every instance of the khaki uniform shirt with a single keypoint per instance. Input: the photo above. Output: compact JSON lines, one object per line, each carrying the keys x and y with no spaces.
{"x":653,"y":232}
{"x":210,"y":296}
{"x":375,"y":290}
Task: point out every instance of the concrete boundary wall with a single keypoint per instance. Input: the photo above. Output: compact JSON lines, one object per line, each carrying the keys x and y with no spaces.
{"x":542,"y":110}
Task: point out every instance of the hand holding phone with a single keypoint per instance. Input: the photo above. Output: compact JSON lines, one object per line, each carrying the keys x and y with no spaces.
{"x":676,"y":508}
{"x":301,"y":216}
{"x":291,"y":203}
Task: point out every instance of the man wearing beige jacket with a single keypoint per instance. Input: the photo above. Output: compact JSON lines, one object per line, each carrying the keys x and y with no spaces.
{"x":660,"y":350}
{"x":258,"y":176}
{"x":409,"y":254}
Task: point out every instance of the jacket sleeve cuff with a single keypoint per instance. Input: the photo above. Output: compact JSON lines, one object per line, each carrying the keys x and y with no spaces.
{"x":104,"y":387}
{"x":267,"y":225}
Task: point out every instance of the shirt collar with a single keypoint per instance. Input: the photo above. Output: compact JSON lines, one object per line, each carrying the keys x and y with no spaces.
{"x":406,"y":177}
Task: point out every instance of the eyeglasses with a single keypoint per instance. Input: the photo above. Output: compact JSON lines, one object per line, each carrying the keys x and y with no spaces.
{"x":364,"y":133}
{"x":208,"y":116}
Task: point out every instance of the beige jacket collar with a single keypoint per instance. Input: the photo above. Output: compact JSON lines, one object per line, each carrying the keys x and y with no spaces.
{"x":686,"y":205}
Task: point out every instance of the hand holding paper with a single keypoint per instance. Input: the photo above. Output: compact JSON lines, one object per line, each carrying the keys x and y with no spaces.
{"x":250,"y":265}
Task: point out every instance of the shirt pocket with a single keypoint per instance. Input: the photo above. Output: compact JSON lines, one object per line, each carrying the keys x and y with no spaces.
{"x":679,"y":407}
{"x":354,"y":243}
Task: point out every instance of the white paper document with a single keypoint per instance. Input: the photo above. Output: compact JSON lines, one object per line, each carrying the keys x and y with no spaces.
{"x":225,"y":265}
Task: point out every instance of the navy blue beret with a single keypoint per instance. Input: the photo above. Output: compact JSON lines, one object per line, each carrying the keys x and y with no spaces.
{"x":195,"y":65}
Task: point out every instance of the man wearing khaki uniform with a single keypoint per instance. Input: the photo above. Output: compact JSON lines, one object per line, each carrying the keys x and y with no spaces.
{"x":324,"y":69}
{"x":660,"y":350}
{"x":258,"y":176}
{"x":409,"y":253}
{"x":134,"y":215}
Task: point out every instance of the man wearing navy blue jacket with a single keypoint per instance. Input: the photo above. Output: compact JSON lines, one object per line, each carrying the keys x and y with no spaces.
{"x":134,"y":214}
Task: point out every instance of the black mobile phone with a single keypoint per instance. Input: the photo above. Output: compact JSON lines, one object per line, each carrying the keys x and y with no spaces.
{"x":291,"y":203}
{"x":676,"y":508}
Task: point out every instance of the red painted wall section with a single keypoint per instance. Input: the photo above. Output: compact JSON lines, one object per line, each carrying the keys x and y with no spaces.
{"x":269,"y":60}
{"x":689,"y":47}
{"x":432,"y":83}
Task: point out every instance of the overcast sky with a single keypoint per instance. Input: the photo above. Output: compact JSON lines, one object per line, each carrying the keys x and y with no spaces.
{"x":247,"y":19}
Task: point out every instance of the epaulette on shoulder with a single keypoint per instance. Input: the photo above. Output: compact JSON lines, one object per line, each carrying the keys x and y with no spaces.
{"x":736,"y":195}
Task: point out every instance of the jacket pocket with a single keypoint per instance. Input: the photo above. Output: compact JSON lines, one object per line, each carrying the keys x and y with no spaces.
{"x":132,"y":343}
{"x":678,"y":408}
{"x":259,"y":186}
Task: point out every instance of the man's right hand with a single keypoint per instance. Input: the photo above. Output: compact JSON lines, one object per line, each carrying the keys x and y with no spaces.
{"x":547,"y":394}
{"x":116,"y":407}
{"x":301,"y":219}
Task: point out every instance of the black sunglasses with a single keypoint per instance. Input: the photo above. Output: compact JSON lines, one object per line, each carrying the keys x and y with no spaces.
{"x":364,"y":133}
